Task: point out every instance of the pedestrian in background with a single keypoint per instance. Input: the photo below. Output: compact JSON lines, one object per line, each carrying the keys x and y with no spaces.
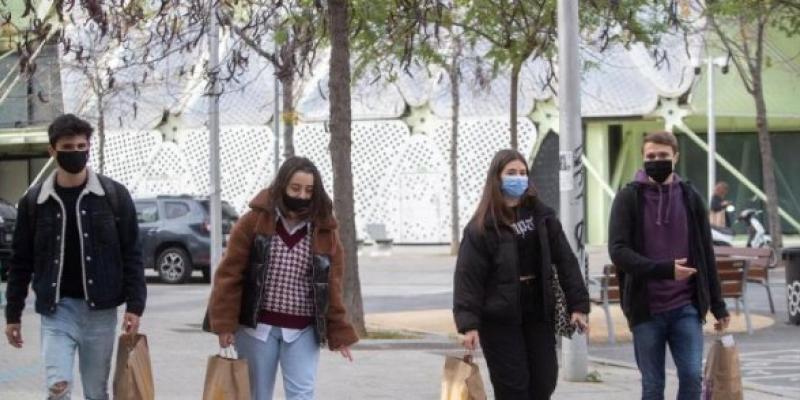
{"x":717,"y":214}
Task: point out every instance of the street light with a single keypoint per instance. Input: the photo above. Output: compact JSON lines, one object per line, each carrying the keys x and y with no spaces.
{"x":722,"y":63}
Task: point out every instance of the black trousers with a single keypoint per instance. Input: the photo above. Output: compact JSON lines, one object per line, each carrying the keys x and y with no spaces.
{"x":522,"y":358}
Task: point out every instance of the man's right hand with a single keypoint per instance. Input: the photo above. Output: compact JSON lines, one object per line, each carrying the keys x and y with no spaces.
{"x":682,"y":271}
{"x":471,"y":340}
{"x":14,"y":335}
{"x":226,"y":339}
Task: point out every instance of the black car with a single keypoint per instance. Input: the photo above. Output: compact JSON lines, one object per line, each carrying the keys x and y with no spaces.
{"x":175,"y":232}
{"x":8,"y":217}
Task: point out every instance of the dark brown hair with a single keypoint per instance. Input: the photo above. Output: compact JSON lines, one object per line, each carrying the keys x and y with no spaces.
{"x":66,"y":125}
{"x":661,"y":137}
{"x":321,"y":205}
{"x":492,"y":208}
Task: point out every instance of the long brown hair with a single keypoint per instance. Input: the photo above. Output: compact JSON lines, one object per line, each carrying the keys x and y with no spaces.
{"x":321,"y":205}
{"x":492,"y":207}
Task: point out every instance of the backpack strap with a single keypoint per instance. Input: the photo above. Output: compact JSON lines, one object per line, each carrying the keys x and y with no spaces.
{"x":30,"y":201}
{"x":112,"y":194}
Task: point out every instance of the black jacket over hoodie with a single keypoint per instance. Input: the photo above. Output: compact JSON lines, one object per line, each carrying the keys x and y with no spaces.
{"x":486,"y":284}
{"x":625,"y":244}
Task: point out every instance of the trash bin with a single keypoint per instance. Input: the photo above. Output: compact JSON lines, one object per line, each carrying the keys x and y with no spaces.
{"x":792,"y":258}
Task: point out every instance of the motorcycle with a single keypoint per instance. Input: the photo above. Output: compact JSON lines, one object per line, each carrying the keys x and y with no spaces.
{"x":757,"y":236}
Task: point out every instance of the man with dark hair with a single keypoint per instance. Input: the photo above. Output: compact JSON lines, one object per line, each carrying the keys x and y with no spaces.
{"x":76,"y":237}
{"x":660,"y":241}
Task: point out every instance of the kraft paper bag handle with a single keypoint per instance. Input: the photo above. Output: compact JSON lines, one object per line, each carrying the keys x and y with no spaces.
{"x":228,"y":353}
{"x":467,"y":357}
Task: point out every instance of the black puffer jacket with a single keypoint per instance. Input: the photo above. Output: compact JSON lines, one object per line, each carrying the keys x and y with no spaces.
{"x":487,"y":286}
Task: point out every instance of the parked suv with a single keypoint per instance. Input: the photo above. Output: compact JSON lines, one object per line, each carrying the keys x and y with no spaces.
{"x":8,"y":217}
{"x":175,"y":232}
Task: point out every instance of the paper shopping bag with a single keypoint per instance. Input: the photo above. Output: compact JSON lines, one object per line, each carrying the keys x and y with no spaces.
{"x":462,"y":380}
{"x":133,"y":375}
{"x":227,"y":378}
{"x":722,"y":378}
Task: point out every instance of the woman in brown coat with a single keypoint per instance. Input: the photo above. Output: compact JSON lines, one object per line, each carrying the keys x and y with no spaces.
{"x":277,"y":293}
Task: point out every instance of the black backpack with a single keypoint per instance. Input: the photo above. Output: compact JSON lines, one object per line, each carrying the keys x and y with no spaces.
{"x":112,"y":197}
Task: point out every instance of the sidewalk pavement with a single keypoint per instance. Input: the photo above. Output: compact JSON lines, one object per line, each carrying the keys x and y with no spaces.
{"x":383,"y":369}
{"x":378,"y":372}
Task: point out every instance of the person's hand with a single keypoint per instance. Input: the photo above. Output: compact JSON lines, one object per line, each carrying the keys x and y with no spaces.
{"x":581,"y":322}
{"x":470,"y":340}
{"x":14,"y":335}
{"x":130,"y":323}
{"x":226,"y":339}
{"x":345,"y":352}
{"x":682,"y":271}
{"x":722,"y":324}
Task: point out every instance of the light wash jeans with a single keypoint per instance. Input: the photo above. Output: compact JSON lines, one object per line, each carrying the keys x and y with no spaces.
{"x":92,"y":333}
{"x":298,"y":360}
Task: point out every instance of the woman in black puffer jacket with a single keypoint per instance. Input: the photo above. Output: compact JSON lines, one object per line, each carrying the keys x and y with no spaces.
{"x":502,"y":292}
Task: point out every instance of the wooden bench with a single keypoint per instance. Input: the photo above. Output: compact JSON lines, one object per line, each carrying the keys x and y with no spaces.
{"x":609,"y":294}
{"x":732,"y":274}
{"x":758,"y":270}
{"x":383,"y":243}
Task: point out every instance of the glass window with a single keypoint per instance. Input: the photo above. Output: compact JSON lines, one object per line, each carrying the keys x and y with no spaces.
{"x":175,"y":209}
{"x":146,"y":211}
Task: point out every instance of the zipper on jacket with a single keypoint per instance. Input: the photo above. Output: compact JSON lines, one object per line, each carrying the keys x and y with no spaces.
{"x":80,"y":238}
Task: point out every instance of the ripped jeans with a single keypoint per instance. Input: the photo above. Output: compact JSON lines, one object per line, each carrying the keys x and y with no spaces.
{"x":74,"y":327}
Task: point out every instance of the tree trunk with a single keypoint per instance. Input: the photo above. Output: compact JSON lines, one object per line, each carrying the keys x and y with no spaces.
{"x":289,"y":117}
{"x":340,"y":147}
{"x":767,"y":171}
{"x":455,"y":230}
{"x":515,"y":69}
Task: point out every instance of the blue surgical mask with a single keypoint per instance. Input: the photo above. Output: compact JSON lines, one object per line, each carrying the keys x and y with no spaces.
{"x":514,"y":186}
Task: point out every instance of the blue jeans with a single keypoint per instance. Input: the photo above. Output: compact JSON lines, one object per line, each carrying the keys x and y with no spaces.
{"x":74,"y":327}
{"x":298,"y":361}
{"x":682,"y":330}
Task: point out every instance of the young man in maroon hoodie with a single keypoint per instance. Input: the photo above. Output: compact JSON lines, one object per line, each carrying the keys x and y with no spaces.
{"x":660,"y":241}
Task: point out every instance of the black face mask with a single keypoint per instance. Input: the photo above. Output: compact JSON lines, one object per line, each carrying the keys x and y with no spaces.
{"x":296,"y":204}
{"x":658,"y":170}
{"x":73,"y":161}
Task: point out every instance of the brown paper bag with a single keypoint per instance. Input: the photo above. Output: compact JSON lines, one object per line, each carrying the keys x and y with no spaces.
{"x":462,"y":380}
{"x":133,"y":375}
{"x":722,"y":378}
{"x":226,"y":379}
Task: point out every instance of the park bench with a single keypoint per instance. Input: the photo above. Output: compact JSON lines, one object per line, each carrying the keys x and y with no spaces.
{"x":758,"y":270}
{"x":733,"y":274}
{"x":383,"y":243}
{"x":608,"y":294}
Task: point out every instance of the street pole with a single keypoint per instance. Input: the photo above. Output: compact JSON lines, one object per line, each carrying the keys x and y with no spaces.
{"x":213,"y":127}
{"x":712,"y":134}
{"x":571,"y":182}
